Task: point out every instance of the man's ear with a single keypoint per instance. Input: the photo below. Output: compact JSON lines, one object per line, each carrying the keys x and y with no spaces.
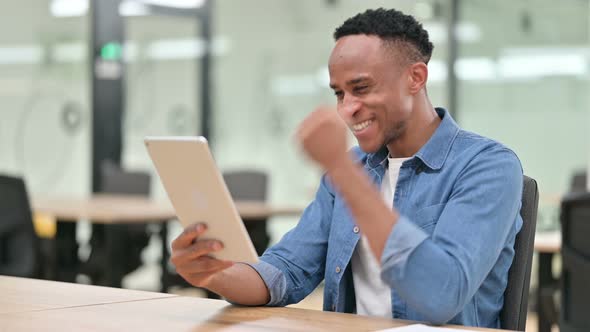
{"x":417,"y":77}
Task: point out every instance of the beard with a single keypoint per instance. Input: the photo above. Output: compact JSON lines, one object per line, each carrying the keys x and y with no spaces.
{"x":395,"y":132}
{"x":391,"y":135}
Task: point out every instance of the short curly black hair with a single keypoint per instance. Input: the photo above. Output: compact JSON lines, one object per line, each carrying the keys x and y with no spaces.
{"x":391,"y":26}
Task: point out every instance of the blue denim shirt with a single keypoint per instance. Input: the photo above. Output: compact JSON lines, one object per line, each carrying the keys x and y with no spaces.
{"x":446,"y":259}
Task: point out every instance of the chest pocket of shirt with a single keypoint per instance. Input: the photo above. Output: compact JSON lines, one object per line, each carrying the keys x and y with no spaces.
{"x":427,"y":217}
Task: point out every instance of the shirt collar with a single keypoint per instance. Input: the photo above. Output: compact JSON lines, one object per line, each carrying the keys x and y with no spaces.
{"x":434,"y":153}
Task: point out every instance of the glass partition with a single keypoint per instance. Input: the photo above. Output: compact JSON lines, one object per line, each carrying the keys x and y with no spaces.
{"x":162,"y":84}
{"x":44,"y":84}
{"x":275,"y":72}
{"x":525,"y":82}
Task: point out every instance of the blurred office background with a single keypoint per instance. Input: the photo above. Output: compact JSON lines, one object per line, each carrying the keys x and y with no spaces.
{"x":516,"y":71}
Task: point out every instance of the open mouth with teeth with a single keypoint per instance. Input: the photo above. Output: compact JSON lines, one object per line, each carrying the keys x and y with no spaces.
{"x":361,"y":125}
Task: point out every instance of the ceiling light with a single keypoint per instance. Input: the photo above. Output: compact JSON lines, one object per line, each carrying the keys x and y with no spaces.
{"x":21,"y":54}
{"x":133,"y":8}
{"x":175,"y":3}
{"x":68,"y":8}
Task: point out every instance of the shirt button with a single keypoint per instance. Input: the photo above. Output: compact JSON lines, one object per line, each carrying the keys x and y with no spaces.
{"x":355,"y":229}
{"x":337,"y":269}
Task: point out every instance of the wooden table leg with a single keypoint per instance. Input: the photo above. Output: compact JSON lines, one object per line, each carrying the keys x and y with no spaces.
{"x":114,"y":268}
{"x":545,"y":303}
{"x":67,"y":262}
{"x":164,"y":278}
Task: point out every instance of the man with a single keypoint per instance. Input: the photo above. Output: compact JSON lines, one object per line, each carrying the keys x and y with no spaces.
{"x":419,"y":224}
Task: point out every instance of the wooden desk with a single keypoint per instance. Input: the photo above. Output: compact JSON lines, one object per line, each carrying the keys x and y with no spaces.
{"x":109,"y":208}
{"x":22,"y":295}
{"x":547,"y":244}
{"x":113,"y":209}
{"x":184,"y":314}
{"x":552,"y":199}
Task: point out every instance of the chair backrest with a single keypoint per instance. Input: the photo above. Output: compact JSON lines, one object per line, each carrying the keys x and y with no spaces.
{"x":246,"y":185}
{"x":250,"y":185}
{"x":115,"y":180}
{"x":514,"y":311}
{"x":578,"y":182}
{"x":18,"y":241}
{"x":575,"y":252}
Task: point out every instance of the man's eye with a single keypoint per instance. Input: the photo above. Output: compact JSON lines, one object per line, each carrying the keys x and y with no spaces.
{"x":338,"y":94}
{"x":361,"y":88}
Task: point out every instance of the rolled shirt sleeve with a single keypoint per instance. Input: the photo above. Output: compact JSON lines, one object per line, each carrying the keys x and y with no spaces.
{"x":403,"y":240}
{"x":274,"y":280}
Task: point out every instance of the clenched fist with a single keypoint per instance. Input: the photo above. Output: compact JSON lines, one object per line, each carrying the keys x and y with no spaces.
{"x":322,"y":135}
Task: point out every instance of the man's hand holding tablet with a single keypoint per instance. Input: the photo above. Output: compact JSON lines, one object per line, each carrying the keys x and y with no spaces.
{"x":190,"y":256}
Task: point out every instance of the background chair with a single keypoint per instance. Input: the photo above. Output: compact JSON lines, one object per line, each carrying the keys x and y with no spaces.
{"x":514,"y":311}
{"x":575,"y":274}
{"x":251,"y":185}
{"x":549,"y":285}
{"x":578,"y":182}
{"x":129,"y":239}
{"x":19,"y":248}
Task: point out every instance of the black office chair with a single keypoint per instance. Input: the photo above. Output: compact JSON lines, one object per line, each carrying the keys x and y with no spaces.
{"x":130,"y":239}
{"x":578,"y":182}
{"x":250,"y":186}
{"x":575,"y":273}
{"x":514,"y":311}
{"x":548,"y":285}
{"x":19,"y":248}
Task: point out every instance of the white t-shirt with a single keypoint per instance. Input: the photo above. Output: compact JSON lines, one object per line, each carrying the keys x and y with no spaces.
{"x":373,"y":296}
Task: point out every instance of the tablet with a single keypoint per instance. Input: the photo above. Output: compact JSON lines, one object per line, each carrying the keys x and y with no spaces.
{"x":198,"y":193}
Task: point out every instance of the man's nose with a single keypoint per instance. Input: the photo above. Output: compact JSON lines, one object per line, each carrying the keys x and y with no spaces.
{"x":349,"y":107}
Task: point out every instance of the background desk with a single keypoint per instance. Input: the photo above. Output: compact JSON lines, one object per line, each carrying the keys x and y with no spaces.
{"x":547,"y":245}
{"x":113,"y":209}
{"x":109,"y":208}
{"x":176,"y":313}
